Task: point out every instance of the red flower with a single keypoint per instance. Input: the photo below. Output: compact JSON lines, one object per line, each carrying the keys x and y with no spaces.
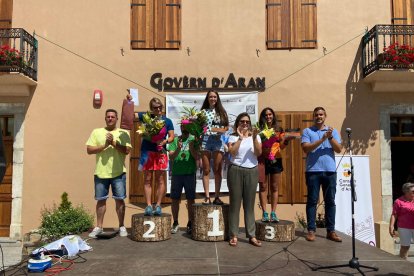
{"x":396,"y":54}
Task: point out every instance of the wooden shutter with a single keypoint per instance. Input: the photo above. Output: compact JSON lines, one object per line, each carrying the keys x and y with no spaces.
{"x":168,"y":24}
{"x":299,"y":190}
{"x":6,"y":11}
{"x":278,"y":24}
{"x":303,"y":24}
{"x":155,"y":24}
{"x":402,"y":12}
{"x":142,"y":24}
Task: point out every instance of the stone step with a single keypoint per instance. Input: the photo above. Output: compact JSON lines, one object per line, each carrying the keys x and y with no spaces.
{"x":12,"y":251}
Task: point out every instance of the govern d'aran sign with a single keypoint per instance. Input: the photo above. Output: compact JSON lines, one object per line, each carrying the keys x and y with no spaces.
{"x":201,"y":83}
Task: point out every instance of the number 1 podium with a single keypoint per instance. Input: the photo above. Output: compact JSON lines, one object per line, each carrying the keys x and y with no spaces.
{"x":210,"y":222}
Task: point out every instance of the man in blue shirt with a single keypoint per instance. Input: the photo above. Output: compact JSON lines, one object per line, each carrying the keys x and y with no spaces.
{"x":320,"y":142}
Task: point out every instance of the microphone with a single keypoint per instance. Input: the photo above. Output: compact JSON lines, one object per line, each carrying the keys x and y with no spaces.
{"x":348,"y":130}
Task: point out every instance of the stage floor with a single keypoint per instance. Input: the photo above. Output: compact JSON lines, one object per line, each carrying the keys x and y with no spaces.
{"x":183,"y":256}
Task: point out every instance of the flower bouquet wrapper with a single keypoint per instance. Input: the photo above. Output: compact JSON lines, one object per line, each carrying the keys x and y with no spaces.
{"x":158,"y":137}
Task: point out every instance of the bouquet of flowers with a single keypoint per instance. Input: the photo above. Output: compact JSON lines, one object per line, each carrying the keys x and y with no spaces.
{"x":194,"y":121}
{"x":269,"y":139}
{"x":152,"y":129}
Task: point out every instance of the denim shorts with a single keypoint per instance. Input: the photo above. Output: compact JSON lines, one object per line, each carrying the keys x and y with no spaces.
{"x":178,"y":182}
{"x":212,"y":143}
{"x":406,"y":236}
{"x":118,"y":185}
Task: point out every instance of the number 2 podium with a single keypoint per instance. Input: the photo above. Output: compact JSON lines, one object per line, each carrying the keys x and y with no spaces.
{"x":154,"y":228}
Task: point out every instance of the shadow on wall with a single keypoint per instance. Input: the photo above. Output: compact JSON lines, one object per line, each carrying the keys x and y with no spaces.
{"x":361,"y":114}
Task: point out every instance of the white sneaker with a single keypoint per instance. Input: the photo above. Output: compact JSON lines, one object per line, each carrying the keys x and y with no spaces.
{"x":175,"y":228}
{"x":95,"y":232}
{"x":122,"y":231}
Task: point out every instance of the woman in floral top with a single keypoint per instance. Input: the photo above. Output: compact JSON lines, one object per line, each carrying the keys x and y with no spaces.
{"x":212,"y":145}
{"x":270,"y":162}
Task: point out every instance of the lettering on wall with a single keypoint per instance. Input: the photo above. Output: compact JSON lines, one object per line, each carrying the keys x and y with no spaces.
{"x":201,"y":83}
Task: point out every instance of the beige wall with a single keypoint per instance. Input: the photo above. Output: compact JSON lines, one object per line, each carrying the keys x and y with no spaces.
{"x":223,"y":36}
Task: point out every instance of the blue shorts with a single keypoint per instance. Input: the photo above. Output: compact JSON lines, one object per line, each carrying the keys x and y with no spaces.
{"x":212,"y":143}
{"x":118,"y":185}
{"x":178,"y":182}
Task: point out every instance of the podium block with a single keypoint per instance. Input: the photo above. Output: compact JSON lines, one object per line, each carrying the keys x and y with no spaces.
{"x":149,"y":229}
{"x":210,"y":222}
{"x":283,"y":231}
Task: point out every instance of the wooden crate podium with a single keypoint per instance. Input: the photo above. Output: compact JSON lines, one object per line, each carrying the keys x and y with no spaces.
{"x":283,"y":231}
{"x":151,"y":228}
{"x":210,"y":222}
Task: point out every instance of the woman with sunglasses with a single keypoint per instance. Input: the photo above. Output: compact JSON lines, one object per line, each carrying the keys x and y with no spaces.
{"x":155,"y":162}
{"x":242,"y":177}
{"x":403,"y":211}
{"x":212,"y":147}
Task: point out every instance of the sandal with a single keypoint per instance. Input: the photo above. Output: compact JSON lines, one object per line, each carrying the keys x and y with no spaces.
{"x":233,"y":241}
{"x":206,"y":201}
{"x":255,"y":242}
{"x":217,"y":201}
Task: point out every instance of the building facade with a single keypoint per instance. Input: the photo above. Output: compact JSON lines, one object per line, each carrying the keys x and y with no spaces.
{"x":308,"y":52}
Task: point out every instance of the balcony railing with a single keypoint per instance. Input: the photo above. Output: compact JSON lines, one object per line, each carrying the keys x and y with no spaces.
{"x":26,"y":45}
{"x":379,"y":37}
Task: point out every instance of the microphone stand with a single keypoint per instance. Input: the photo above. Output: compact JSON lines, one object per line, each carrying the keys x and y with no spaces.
{"x":353,"y":263}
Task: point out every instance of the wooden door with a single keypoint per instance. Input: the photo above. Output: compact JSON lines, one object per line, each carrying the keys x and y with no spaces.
{"x":6,"y":184}
{"x":402,"y":13}
{"x":292,"y":189}
{"x":299,"y":189}
{"x":284,"y":188}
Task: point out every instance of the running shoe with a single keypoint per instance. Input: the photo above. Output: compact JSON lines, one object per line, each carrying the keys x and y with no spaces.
{"x":273,"y":217}
{"x":157,"y":211}
{"x":148,"y":211}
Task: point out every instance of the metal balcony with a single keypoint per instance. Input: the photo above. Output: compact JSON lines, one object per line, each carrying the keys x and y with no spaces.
{"x":25,"y":45}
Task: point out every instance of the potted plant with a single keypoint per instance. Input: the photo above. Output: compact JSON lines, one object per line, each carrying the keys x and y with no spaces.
{"x":10,"y":57}
{"x":398,"y":55}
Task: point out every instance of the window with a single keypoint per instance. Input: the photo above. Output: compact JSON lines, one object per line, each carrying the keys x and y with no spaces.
{"x":402,"y":128}
{"x":291,"y":24}
{"x":155,"y":24}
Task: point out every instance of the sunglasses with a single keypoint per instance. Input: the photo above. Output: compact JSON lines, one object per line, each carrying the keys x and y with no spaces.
{"x":157,"y":107}
{"x":244,"y":122}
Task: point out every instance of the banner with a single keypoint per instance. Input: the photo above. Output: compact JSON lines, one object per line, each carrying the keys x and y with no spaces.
{"x":364,"y":219}
{"x":234,"y":103}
